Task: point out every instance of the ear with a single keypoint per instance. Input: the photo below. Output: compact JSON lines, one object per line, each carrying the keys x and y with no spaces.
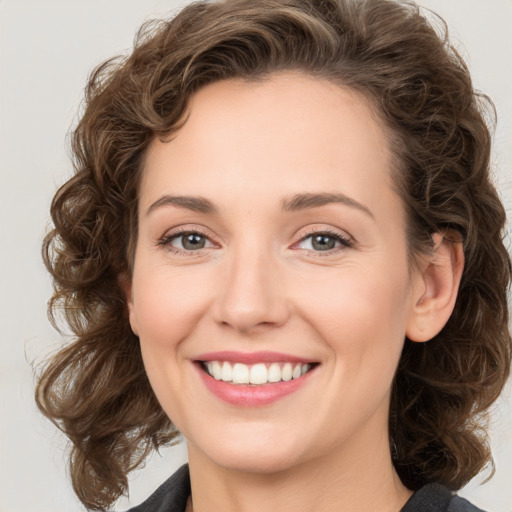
{"x":126,"y":284}
{"x":435,"y":287}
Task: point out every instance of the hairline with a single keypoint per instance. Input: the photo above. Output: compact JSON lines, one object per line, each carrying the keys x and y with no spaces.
{"x":393,"y":140}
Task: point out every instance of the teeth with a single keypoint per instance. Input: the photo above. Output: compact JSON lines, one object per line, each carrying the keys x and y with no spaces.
{"x":226,"y":373}
{"x":260,"y":373}
{"x":287,"y":372}
{"x":240,"y":373}
{"x":274,"y":373}
{"x":215,"y":370}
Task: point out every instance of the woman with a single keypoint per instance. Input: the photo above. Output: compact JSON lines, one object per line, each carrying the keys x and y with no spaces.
{"x":276,"y":206}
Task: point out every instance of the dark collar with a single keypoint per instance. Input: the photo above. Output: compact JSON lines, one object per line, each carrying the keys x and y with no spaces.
{"x":171,"y":496}
{"x":437,"y":498}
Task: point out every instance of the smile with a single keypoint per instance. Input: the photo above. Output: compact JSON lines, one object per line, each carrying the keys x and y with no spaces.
{"x":255,"y":374}
{"x":253,"y":379}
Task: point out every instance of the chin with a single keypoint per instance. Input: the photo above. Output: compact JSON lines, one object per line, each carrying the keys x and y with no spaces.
{"x":253,"y":454}
{"x":257,"y":463}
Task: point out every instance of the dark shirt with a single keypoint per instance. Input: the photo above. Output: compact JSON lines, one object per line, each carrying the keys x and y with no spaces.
{"x":437,"y":498}
{"x":173,"y":494}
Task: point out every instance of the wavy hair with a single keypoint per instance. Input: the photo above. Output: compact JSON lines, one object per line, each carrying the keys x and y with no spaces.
{"x":96,"y":390}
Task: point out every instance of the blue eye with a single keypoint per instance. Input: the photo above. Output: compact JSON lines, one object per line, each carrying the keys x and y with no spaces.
{"x":323,"y":241}
{"x":186,"y":241}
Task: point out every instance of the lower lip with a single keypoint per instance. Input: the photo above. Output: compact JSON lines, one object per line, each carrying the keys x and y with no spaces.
{"x":243,"y":395}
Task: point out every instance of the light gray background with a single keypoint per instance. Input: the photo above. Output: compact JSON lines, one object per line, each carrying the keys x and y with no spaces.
{"x":47,"y":49}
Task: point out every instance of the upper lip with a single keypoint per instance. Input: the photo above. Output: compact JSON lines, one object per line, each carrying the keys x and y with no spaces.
{"x":252,"y":357}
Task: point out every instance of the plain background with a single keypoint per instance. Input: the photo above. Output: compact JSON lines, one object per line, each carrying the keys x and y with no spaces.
{"x":47,"y":49}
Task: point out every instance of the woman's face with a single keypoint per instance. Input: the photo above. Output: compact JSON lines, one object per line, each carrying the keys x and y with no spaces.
{"x":271,"y":248}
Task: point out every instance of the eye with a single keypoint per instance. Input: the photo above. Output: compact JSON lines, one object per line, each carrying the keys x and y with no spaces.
{"x":323,"y":241}
{"x":186,"y":241}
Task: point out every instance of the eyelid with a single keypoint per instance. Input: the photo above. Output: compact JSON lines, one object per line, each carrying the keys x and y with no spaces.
{"x":325,"y":229}
{"x":344,"y":238}
{"x":346,"y":241}
{"x":165,"y":240}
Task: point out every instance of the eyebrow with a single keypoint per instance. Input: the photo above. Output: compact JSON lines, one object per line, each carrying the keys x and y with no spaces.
{"x":195,"y":204}
{"x":310,"y":200}
{"x":297,"y":202}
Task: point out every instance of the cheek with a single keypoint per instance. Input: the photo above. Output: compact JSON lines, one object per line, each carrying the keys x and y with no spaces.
{"x":360,"y":314}
{"x":168,"y":304}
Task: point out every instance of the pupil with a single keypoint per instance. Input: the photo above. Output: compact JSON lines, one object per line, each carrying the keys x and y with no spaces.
{"x":323,"y":242}
{"x":193,"y":241}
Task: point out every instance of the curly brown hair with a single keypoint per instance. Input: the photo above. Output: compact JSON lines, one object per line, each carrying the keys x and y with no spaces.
{"x":96,"y":390}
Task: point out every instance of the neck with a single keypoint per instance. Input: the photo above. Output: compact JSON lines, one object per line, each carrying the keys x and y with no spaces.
{"x":356,"y":478}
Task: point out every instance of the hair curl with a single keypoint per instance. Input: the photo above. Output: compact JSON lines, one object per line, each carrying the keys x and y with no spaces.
{"x":96,"y":389}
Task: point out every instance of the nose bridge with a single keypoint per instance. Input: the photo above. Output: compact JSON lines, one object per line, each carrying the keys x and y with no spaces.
{"x":252,"y":294}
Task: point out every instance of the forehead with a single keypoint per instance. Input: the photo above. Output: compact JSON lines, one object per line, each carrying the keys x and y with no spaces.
{"x":286,"y":134}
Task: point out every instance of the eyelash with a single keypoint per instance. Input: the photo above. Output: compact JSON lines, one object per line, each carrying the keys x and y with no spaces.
{"x":166,"y":241}
{"x":345,"y":242}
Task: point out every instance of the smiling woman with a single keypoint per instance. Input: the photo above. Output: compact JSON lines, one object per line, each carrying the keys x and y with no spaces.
{"x":284,"y":280}
{"x":282,"y":242}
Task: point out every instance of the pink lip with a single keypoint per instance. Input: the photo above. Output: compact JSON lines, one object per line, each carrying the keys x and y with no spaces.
{"x":252,"y":357}
{"x":243,"y":395}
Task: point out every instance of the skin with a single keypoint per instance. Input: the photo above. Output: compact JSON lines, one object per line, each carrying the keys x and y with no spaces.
{"x":259,"y":284}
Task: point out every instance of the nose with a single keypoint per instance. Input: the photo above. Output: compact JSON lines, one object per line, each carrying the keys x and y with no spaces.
{"x":252,"y":296}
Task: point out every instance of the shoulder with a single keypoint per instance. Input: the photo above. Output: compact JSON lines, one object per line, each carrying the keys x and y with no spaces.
{"x":171,"y":496}
{"x":459,"y":504}
{"x":437,"y":498}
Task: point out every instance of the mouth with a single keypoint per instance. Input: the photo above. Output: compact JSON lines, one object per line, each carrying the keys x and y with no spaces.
{"x":254,"y":379}
{"x":257,"y":374}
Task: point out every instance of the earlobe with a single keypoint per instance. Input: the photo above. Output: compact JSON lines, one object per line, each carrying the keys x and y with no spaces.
{"x":435,"y":288}
{"x":133,"y":318}
{"x":126,"y":285}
